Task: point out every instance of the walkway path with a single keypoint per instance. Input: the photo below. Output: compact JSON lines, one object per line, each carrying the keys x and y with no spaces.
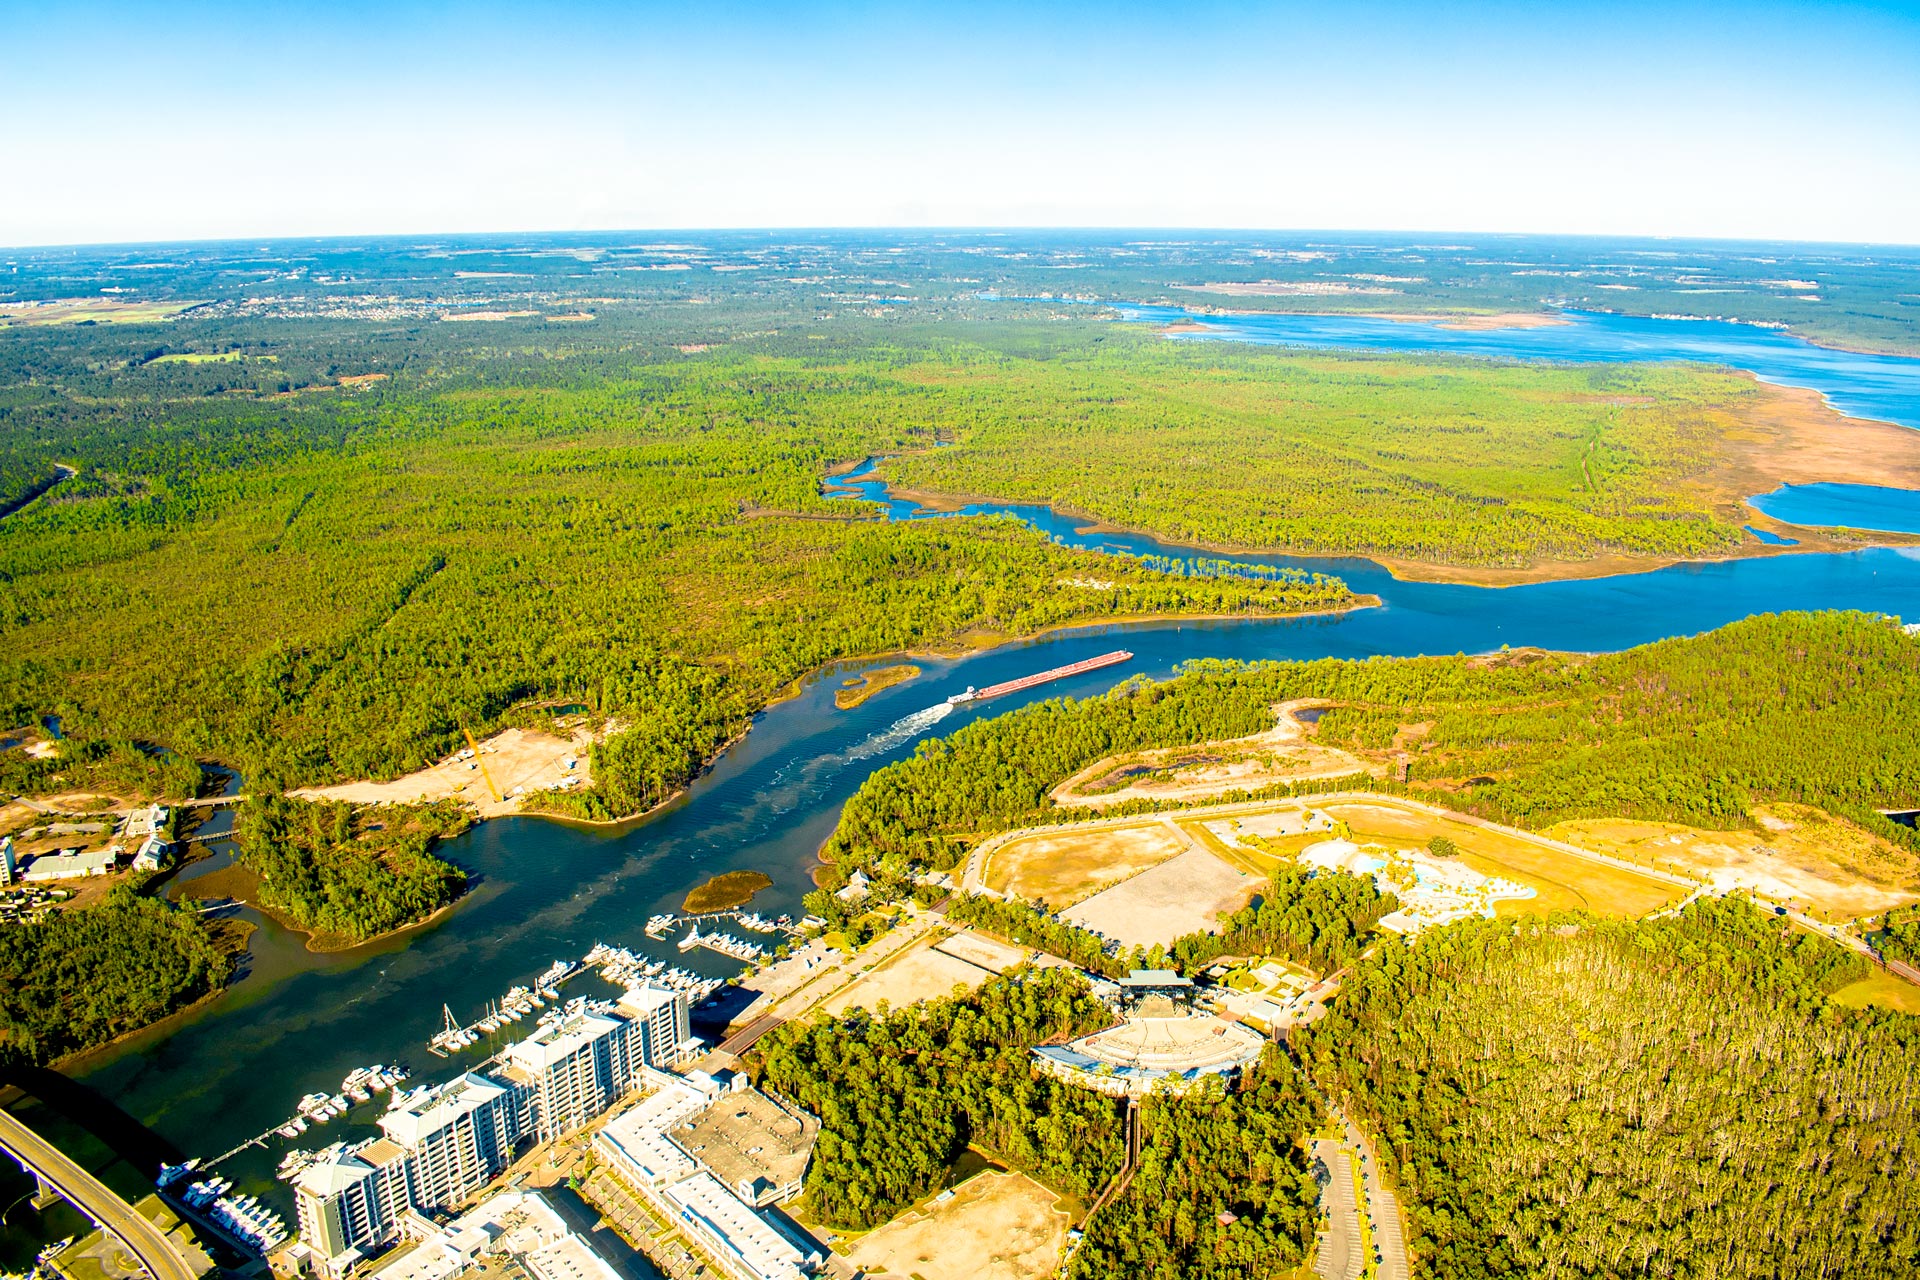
{"x":145,"y":1241}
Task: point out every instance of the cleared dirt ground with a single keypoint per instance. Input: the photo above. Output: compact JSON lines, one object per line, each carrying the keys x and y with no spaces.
{"x":1060,"y":868}
{"x":517,"y":759}
{"x":988,"y":953}
{"x":1283,"y":753}
{"x":1561,"y":880}
{"x":997,"y":1226}
{"x":920,"y":972}
{"x":1180,"y":896}
{"x":1836,"y":870}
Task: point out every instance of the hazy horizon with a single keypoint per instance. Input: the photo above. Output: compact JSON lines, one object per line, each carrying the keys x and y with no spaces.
{"x":216,"y":121}
{"x":905,"y":230}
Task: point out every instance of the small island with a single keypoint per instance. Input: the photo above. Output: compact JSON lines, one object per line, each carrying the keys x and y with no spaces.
{"x":726,"y":891}
{"x":863,"y":686}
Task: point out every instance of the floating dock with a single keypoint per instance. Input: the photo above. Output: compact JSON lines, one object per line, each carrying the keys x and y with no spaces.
{"x":1043,"y":677}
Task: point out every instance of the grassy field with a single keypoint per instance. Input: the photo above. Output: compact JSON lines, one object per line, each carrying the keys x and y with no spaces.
{"x":1560,"y":881}
{"x":1798,"y":854}
{"x":725,"y":891}
{"x":1060,"y":868}
{"x":88,"y":311}
{"x":205,"y":357}
{"x":1883,"y":991}
{"x":863,"y":686}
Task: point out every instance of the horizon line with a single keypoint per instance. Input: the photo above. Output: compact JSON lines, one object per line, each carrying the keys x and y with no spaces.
{"x":898,"y":229}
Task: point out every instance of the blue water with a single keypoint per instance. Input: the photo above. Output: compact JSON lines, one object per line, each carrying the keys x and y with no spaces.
{"x":1852,"y":506}
{"x":1592,"y":614}
{"x":1865,"y":386}
{"x":1771,"y":539}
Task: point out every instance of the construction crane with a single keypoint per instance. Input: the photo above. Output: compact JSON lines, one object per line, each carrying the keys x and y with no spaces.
{"x":482,"y":762}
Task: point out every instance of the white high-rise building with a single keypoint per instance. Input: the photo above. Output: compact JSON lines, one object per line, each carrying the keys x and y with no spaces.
{"x":572,"y":1070}
{"x":345,"y":1208}
{"x":456,"y":1137}
{"x":662,"y":1024}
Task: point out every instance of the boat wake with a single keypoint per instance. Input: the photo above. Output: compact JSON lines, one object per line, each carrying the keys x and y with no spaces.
{"x":900,"y":730}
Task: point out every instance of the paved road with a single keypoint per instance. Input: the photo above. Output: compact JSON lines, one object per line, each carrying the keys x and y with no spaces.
{"x":746,"y":1037}
{"x":148,"y":1244}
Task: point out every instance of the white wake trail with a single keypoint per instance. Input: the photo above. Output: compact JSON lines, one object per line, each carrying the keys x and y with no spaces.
{"x":900,"y":730}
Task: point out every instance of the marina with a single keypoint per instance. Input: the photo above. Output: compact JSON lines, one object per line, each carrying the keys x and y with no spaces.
{"x":358,"y":1086}
{"x":517,"y":1003}
{"x":216,"y":1201}
{"x":725,"y":943}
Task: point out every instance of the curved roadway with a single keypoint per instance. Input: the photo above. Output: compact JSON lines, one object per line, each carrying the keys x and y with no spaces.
{"x":146,"y":1242}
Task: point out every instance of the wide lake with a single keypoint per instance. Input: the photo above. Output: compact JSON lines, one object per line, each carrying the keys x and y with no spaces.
{"x":1865,"y":386}
{"x":544,"y":891}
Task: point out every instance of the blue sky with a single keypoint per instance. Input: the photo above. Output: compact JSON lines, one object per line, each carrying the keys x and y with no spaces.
{"x":168,"y":121}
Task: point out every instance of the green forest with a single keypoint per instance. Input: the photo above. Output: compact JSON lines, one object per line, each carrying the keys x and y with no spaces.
{"x":1223,"y":1190}
{"x":76,"y":979}
{"x":345,"y":871}
{"x":1820,"y":709}
{"x":1672,"y":1097}
{"x":335,"y":589}
{"x":1424,"y":458}
{"x":902,"y":1094}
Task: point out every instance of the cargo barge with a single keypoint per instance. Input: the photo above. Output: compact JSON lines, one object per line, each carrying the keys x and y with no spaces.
{"x":1041,"y":677}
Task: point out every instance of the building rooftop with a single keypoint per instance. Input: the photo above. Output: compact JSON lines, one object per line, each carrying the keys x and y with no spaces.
{"x":756,"y":1148}
{"x":505,"y":1227}
{"x":1155,"y":978}
{"x":641,"y":1001}
{"x":636,"y":1140}
{"x":440,"y":1107}
{"x":560,"y":1040}
{"x":749,"y":1238}
{"x":329,"y":1177}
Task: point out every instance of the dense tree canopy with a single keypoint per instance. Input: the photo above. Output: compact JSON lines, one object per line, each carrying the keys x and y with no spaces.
{"x":1671,"y":1098}
{"x":1820,"y":709}
{"x":901,"y":1094}
{"x":1223,"y":1190}
{"x":345,"y":871}
{"x":78,"y":978}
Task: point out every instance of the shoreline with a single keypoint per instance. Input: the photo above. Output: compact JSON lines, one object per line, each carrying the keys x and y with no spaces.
{"x":79,"y":1058}
{"x":1479,"y":320}
{"x":1803,"y":447}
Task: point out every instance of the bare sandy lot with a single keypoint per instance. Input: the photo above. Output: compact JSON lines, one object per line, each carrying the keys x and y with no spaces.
{"x":1062,"y":867}
{"x":920,"y":972}
{"x":521,"y":762}
{"x":1180,"y":896}
{"x":1283,"y":753}
{"x":1836,"y":870}
{"x":996,"y":1226}
{"x":988,"y":953}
